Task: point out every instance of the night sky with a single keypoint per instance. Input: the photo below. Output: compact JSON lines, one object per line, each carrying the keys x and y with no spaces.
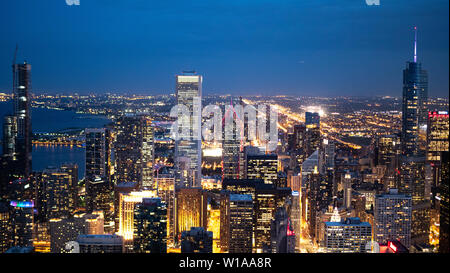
{"x":245,"y":47}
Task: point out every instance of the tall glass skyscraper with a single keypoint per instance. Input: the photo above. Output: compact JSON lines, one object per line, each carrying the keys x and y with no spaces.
{"x":414,"y":105}
{"x":22,"y":111}
{"x":189,"y":94}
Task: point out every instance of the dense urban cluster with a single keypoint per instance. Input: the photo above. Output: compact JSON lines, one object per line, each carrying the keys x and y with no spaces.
{"x":348,"y":175}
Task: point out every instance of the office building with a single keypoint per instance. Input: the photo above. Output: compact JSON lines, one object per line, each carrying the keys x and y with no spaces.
{"x":5,"y":228}
{"x":150,"y":226}
{"x":236,"y":223}
{"x":22,"y":222}
{"x":348,"y":236}
{"x":190,"y":209}
{"x":263,"y":167}
{"x":134,"y":151}
{"x":393,"y":217}
{"x":64,"y":230}
{"x":437,"y":142}
{"x":98,"y":154}
{"x":189,"y":93}
{"x":127,"y":205}
{"x":444,"y":204}
{"x":166,"y":191}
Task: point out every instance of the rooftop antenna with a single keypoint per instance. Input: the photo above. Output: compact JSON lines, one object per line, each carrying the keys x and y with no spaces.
{"x":415,"y":44}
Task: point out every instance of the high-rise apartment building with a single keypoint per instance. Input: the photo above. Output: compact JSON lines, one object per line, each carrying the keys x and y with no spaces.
{"x":393,"y":217}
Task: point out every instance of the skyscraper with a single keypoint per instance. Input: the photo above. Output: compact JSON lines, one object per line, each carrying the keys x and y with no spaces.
{"x":5,"y":228}
{"x":233,"y":148}
{"x":98,"y":153}
{"x":150,"y":226}
{"x":393,"y":217}
{"x":10,"y":136}
{"x":58,"y":186}
{"x":63,"y":230}
{"x":127,"y":204}
{"x":166,"y":191}
{"x":387,"y":147}
{"x":263,"y":167}
{"x":413,"y":182}
{"x":191,"y":209}
{"x":22,"y":111}
{"x":134,"y":150}
{"x":444,"y":217}
{"x":313,"y":138}
{"x":189,"y":94}
{"x":414,"y":105}
{"x":22,"y":222}
{"x":437,"y":142}
{"x":237,"y":218}
{"x":349,"y":235}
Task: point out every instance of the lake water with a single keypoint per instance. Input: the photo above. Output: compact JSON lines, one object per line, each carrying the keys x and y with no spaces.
{"x":48,"y":120}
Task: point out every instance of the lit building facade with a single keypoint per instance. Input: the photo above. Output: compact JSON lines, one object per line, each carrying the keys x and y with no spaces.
{"x":134,"y":150}
{"x":22,"y":111}
{"x":393,"y":218}
{"x":22,"y":222}
{"x":263,"y":167}
{"x":240,"y":221}
{"x":98,"y":153}
{"x":348,"y":236}
{"x":189,"y":93}
{"x":166,"y":191}
{"x":444,"y":209}
{"x":437,"y":142}
{"x":414,"y":105}
{"x":191,"y":205}
{"x":127,"y":204}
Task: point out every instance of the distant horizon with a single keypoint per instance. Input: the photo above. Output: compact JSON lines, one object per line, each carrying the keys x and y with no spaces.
{"x":129,"y":93}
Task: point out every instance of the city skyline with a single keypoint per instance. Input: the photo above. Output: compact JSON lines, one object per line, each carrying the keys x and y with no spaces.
{"x":115,"y":47}
{"x":184,"y":171}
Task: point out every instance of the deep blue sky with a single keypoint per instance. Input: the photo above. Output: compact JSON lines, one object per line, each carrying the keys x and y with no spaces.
{"x":296,"y":47}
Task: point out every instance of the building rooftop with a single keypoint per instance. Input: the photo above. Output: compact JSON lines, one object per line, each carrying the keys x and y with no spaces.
{"x":350,"y":221}
{"x":240,"y":197}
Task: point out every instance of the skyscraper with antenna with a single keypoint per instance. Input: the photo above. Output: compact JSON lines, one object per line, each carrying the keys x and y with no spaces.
{"x":414,"y":104}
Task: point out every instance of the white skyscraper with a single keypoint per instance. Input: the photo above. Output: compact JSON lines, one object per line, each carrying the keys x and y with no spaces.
{"x":189,"y":94}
